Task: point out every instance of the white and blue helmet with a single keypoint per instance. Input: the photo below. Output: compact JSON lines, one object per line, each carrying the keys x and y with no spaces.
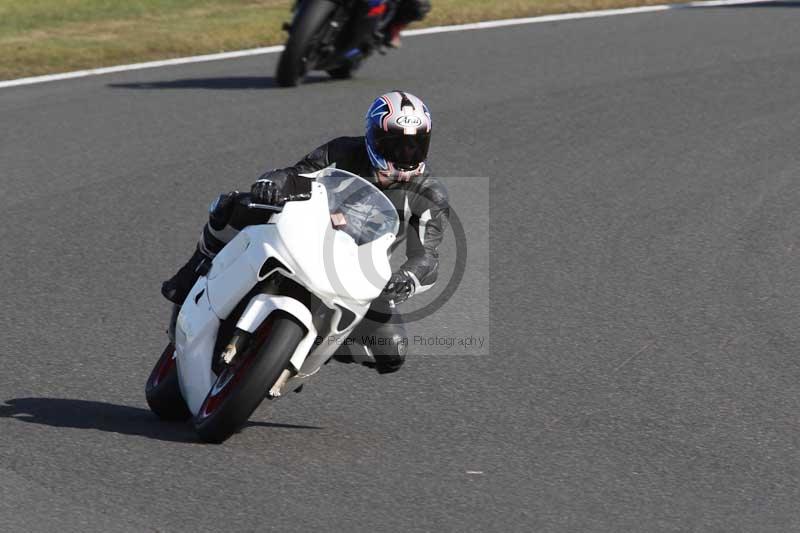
{"x":398,"y":134}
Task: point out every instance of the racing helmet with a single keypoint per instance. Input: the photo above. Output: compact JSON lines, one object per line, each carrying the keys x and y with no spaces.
{"x":398,"y":134}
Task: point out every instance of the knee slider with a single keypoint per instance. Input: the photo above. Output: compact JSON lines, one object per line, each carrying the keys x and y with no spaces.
{"x":390,"y":357}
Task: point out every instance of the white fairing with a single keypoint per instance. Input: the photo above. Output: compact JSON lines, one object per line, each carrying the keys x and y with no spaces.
{"x":261,"y":306}
{"x":330,"y":263}
{"x":195,"y":337}
{"x":345,"y":268}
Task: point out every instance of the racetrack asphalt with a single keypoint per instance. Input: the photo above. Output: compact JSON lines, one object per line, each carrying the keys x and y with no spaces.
{"x":640,"y":299}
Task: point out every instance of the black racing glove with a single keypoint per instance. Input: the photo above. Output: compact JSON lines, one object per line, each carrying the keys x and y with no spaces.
{"x":265,"y":191}
{"x":399,"y":289}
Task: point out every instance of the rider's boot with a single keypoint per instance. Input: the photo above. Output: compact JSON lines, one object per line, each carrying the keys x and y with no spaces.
{"x":177,"y":288}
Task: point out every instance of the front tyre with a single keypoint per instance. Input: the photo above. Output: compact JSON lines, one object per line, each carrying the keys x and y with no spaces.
{"x":163,"y":391}
{"x":241,"y":387}
{"x":303,"y":40}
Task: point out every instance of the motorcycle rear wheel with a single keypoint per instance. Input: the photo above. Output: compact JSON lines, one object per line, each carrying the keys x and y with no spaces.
{"x":163,"y":391}
{"x":242,"y":386}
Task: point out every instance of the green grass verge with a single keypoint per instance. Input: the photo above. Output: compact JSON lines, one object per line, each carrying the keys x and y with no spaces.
{"x":47,"y":36}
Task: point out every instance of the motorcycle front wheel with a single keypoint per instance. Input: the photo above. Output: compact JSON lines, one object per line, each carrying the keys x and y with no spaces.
{"x":303,"y":39}
{"x":242,"y":385}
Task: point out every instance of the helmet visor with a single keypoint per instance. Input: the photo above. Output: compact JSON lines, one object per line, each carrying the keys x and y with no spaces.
{"x":406,"y":152}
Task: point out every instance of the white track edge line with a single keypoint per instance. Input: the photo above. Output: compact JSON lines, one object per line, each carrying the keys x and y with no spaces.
{"x":409,"y":33}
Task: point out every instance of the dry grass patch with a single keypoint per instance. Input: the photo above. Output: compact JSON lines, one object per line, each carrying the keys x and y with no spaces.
{"x":46,"y":36}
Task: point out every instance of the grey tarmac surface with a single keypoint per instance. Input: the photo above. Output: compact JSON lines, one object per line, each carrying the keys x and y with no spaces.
{"x":642,"y":290}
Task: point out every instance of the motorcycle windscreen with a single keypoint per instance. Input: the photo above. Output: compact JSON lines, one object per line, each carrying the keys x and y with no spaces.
{"x":357,"y":207}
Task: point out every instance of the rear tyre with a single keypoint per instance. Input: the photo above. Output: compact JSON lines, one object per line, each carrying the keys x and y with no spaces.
{"x":242,"y":386}
{"x":293,"y":63}
{"x":163,"y":390}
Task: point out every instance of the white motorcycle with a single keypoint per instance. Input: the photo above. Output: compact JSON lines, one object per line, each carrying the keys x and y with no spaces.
{"x":277,"y":303}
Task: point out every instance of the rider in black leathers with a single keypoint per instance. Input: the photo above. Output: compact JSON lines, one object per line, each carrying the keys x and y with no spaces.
{"x":395,"y":162}
{"x":403,"y":13}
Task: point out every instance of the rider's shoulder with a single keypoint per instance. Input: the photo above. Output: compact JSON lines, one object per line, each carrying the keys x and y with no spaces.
{"x":347,"y":142}
{"x":344,"y":149}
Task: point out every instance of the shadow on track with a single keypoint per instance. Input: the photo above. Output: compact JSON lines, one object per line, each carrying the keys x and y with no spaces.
{"x":247,"y":82}
{"x":83,"y":414}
